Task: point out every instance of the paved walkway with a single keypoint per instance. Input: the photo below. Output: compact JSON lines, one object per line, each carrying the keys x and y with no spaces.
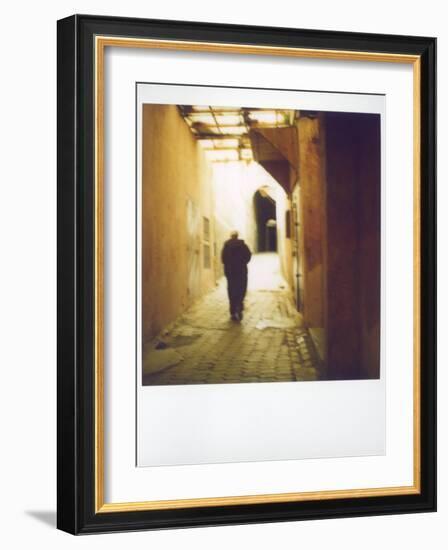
{"x":204,"y":346}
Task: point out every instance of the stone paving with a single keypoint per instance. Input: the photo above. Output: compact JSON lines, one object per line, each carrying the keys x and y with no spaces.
{"x":204,"y":346}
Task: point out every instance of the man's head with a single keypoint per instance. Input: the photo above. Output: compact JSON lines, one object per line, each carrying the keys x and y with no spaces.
{"x":234,"y":235}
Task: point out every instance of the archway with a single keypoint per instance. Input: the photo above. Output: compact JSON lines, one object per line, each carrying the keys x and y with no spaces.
{"x":265,"y":219}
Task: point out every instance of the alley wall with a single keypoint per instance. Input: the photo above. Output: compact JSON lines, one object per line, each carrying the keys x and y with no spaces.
{"x":177,"y":219}
{"x":353,"y":258}
{"x":337,"y":200}
{"x":311,"y":144}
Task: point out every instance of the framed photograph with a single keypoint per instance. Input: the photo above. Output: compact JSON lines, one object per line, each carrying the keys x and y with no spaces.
{"x":246,"y":274}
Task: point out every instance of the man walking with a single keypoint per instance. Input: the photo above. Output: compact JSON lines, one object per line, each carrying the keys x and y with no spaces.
{"x":235,"y":256}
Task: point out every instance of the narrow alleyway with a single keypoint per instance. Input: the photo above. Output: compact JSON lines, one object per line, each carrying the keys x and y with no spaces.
{"x":204,"y":346}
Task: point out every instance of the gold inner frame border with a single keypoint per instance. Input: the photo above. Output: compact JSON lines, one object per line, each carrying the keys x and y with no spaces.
{"x":101,"y":42}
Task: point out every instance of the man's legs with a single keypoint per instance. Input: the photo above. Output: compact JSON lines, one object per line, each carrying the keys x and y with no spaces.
{"x":243,"y":292}
{"x":236,"y":291}
{"x":241,"y":288}
{"x":240,"y":291}
{"x":232,"y":293}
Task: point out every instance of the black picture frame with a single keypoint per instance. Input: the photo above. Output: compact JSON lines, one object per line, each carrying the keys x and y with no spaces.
{"x":76,"y":511}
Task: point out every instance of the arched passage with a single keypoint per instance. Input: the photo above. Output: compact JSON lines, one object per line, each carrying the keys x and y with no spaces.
{"x":266,"y":223}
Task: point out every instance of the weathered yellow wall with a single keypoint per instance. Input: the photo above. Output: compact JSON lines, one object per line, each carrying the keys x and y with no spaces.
{"x":297,"y":248}
{"x":311,"y":217}
{"x":176,"y":193}
{"x":339,"y":238}
{"x":284,"y":244}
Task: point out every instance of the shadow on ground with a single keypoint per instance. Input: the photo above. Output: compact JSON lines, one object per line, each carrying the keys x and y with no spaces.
{"x":48,"y":517}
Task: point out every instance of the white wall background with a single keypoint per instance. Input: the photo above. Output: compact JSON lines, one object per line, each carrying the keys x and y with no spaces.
{"x":28,"y":272}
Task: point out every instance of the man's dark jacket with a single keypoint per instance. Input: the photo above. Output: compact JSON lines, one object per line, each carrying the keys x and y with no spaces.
{"x":235,"y":257}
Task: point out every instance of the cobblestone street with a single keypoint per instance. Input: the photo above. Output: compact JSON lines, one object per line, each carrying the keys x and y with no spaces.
{"x":204,"y":346}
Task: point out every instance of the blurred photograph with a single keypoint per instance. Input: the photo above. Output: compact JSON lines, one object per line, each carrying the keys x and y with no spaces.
{"x":260,"y":245}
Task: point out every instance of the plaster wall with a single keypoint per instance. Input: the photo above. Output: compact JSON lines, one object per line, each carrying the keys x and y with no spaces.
{"x":311,"y":217}
{"x":353,"y":249}
{"x":177,"y":194}
{"x":284,"y":236}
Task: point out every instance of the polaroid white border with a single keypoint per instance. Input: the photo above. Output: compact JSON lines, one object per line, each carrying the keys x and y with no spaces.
{"x":203,"y":424}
